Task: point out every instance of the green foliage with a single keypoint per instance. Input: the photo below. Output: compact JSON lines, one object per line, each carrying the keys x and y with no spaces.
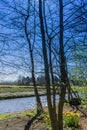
{"x":71,"y":119}
{"x":84,"y":103}
{"x":80,"y":81}
{"x":81,"y":90}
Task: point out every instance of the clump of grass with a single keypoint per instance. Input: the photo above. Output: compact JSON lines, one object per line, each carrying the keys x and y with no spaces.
{"x":5,"y":116}
{"x":29,"y":113}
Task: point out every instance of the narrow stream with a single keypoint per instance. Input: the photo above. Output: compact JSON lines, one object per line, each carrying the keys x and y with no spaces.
{"x":20,"y":104}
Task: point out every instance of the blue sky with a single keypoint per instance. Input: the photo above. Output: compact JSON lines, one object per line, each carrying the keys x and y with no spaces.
{"x":14,"y":53}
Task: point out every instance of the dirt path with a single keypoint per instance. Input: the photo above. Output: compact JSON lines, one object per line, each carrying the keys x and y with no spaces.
{"x":19,"y":124}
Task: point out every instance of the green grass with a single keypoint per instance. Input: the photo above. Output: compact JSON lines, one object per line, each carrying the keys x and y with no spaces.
{"x":81,"y":90}
{"x":13,"y":89}
{"x":17,"y":115}
{"x":83,"y":95}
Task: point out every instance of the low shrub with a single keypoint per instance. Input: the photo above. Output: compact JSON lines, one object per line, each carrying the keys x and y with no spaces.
{"x":71,"y":119}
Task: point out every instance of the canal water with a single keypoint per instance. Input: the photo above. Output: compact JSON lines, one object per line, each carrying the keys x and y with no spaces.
{"x":20,"y":104}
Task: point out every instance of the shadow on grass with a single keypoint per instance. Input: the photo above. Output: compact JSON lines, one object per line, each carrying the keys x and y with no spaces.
{"x":29,"y":123}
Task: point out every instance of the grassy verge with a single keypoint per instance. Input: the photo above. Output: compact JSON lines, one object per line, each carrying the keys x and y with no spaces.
{"x":17,"y":115}
{"x":82,"y":89}
{"x":14,"y":91}
{"x":14,"y":88}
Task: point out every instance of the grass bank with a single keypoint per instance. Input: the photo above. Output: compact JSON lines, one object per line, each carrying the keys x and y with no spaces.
{"x":15,"y":88}
{"x":17,"y":115}
{"x":14,"y":91}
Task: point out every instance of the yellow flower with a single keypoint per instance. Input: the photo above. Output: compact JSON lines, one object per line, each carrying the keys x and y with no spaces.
{"x":46,"y":117}
{"x":71,"y":114}
{"x":77,"y":114}
{"x":63,"y":113}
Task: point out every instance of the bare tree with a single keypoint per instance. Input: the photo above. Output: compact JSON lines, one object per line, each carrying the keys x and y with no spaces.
{"x":19,"y":25}
{"x":52,"y":30}
{"x":39,"y":105}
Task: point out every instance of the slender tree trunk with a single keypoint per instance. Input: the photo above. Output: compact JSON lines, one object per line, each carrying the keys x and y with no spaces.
{"x":39,"y":105}
{"x":38,"y":102}
{"x":68,"y":86}
{"x":53,"y":87}
{"x":62,"y":70}
{"x":50,"y":60}
{"x":46,"y":66}
{"x":52,"y":79}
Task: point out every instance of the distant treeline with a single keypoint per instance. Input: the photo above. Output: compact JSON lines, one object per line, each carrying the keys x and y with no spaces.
{"x":39,"y":81}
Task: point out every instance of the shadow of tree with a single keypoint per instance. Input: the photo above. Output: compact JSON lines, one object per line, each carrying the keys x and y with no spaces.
{"x":28,"y":125}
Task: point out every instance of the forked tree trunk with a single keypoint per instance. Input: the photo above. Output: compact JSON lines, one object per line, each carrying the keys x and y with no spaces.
{"x":46,"y":66}
{"x":50,"y":62}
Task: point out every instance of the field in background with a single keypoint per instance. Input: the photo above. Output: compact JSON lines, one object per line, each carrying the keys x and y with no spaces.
{"x":14,"y":88}
{"x":14,"y":91}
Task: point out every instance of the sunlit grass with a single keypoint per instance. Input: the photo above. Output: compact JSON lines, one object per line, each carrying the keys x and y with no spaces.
{"x":16,"y":88}
{"x":17,"y":115}
{"x":80,"y":89}
{"x":5,"y":116}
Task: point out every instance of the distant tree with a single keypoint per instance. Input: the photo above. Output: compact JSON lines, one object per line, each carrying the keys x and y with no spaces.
{"x":56,"y":80}
{"x":41,"y":80}
{"x":25,"y":81}
{"x":20,"y":78}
